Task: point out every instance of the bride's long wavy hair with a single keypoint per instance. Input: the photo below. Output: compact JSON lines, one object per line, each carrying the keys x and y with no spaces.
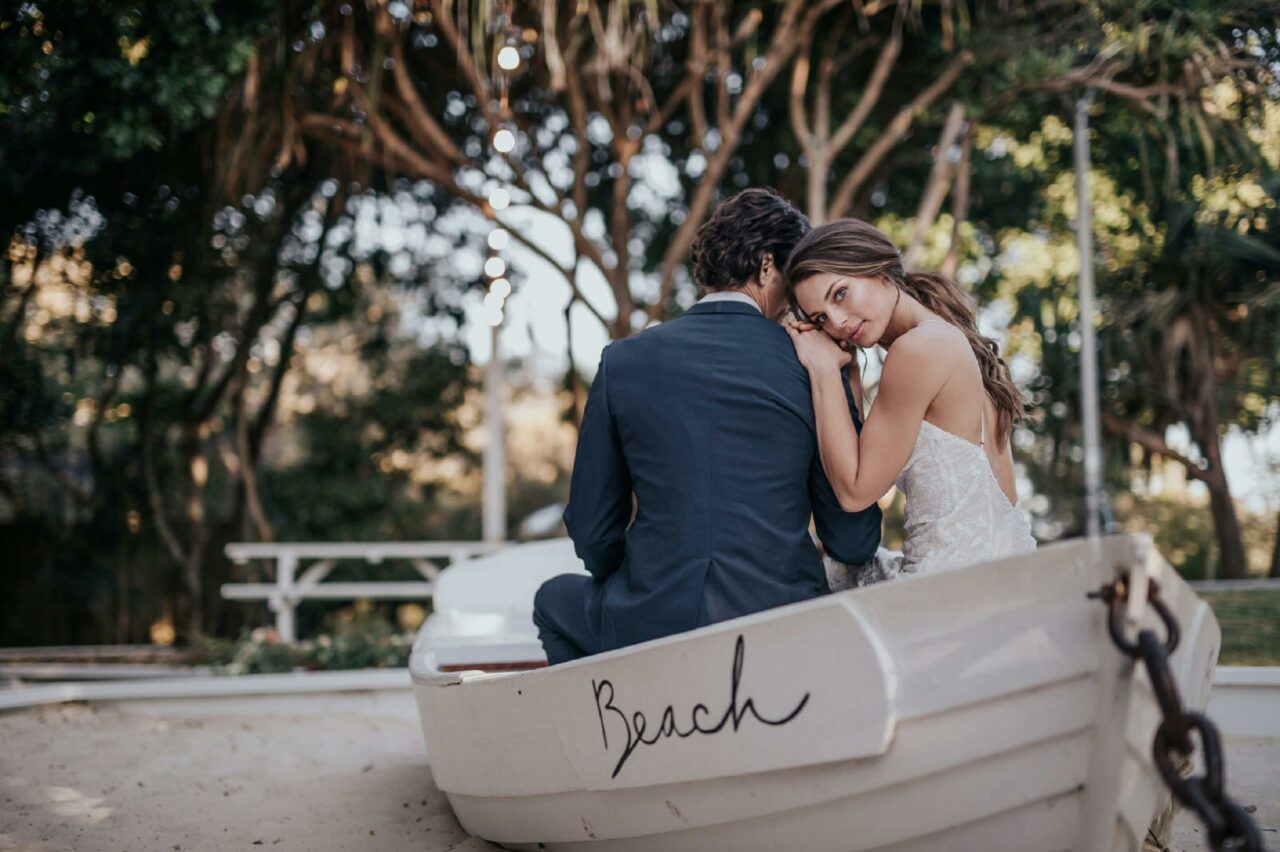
{"x":857,"y":249}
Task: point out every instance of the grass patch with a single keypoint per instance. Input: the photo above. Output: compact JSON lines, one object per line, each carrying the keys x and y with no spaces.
{"x":1250,"y":622}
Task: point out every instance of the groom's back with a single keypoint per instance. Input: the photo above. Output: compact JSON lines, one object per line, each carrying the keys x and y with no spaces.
{"x":712,"y":417}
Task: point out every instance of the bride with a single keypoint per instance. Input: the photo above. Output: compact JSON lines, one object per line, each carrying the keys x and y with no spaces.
{"x":941,"y":422}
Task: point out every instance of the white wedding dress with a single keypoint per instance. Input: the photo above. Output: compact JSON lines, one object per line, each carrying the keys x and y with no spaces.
{"x":956,"y":513}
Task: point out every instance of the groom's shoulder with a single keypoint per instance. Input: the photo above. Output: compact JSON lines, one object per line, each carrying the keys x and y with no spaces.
{"x":757,"y":341}
{"x":748,"y":327}
{"x":646,"y":340}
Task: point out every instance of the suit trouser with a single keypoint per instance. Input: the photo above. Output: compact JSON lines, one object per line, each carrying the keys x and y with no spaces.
{"x":560,"y":613}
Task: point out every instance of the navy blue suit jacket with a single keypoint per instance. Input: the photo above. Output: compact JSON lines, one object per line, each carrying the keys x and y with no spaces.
{"x":708,"y":421}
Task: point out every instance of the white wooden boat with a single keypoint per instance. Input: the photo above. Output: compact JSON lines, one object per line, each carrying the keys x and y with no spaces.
{"x":978,"y":709}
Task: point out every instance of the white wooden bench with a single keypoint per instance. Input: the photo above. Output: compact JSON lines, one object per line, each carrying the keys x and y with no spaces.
{"x":289,"y":588}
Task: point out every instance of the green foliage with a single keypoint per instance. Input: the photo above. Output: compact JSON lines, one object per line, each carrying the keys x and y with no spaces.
{"x":117,"y":147}
{"x":1187,"y":258}
{"x":1183,"y":532}
{"x":92,"y":81}
{"x":346,"y":485}
{"x":350,"y":639}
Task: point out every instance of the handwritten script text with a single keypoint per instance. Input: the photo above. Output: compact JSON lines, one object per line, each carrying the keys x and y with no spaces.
{"x":636,"y":725}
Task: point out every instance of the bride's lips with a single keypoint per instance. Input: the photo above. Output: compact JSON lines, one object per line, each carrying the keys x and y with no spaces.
{"x":857,"y":330}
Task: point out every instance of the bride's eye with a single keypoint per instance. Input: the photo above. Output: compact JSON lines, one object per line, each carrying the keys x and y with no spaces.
{"x":819,"y":320}
{"x":840,"y":294}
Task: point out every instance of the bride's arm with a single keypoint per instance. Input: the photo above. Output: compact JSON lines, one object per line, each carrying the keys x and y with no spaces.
{"x":862,"y":468}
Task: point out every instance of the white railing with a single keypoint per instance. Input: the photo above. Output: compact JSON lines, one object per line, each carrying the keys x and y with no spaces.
{"x":289,"y":588}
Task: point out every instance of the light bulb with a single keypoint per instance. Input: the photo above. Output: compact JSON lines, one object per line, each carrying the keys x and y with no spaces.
{"x":494,"y":267}
{"x":508,"y":58}
{"x":499,"y":198}
{"x":500,"y":287}
{"x":504,"y":141}
{"x":498,"y":239}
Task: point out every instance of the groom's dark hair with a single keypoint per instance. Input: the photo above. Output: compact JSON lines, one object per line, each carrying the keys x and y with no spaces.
{"x":731,"y":245}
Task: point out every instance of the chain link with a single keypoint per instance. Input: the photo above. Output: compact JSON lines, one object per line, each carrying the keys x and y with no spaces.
{"x":1229,"y":825}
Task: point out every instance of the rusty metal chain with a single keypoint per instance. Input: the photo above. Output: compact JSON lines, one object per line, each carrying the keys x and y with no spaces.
{"x":1229,"y":825}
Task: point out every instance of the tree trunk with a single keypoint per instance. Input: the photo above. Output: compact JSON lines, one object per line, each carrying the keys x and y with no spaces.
{"x":249,"y":461}
{"x":190,"y":623}
{"x":1226,"y":521}
{"x":122,"y":593}
{"x":819,"y":168}
{"x":1201,"y":409}
{"x":1230,"y":539}
{"x":195,"y":473}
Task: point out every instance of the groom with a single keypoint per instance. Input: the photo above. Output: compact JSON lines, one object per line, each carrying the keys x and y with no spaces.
{"x":697,"y":467}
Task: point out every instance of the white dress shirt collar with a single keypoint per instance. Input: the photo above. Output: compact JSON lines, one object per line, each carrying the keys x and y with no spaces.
{"x":729,"y":296}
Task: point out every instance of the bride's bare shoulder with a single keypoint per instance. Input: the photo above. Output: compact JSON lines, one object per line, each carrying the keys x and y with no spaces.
{"x":920,"y":361}
{"x":935,"y":334}
{"x":930,"y":345}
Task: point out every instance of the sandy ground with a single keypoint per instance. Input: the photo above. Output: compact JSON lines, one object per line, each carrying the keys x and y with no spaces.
{"x":312,"y":774}
{"x":1253,"y":780}
{"x":306,"y":773}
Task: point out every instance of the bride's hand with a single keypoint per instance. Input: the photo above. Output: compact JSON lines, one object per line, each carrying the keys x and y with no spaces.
{"x":815,"y":349}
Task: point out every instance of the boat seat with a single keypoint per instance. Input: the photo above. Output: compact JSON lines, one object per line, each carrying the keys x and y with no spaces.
{"x":482,"y":609}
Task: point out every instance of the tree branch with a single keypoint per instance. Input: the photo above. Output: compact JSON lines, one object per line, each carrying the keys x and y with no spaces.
{"x":1154,"y":443}
{"x":889,"y":138}
{"x":799,"y":86}
{"x":788,"y":33}
{"x":440,"y":15}
{"x":154,"y":500}
{"x":874,"y":88}
{"x":398,"y":156}
{"x":959,"y":203}
{"x":425,"y":126}
{"x":937,"y":185}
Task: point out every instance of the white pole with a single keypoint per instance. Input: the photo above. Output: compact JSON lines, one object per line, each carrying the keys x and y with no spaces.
{"x":1088,"y":341}
{"x":494,"y":513}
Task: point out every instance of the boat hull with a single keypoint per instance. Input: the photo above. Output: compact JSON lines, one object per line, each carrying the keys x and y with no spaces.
{"x":981,"y":708}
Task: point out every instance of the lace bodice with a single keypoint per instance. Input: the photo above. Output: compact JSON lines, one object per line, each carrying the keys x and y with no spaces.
{"x":956,"y":513}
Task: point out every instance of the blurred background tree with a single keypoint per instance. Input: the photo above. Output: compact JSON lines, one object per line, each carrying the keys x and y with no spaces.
{"x":153,"y":314}
{"x":244,"y":241}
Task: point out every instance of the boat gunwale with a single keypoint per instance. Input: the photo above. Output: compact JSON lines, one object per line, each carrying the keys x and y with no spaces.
{"x":435,"y":677}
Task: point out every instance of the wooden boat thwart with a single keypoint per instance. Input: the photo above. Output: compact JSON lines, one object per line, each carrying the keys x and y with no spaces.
{"x":983,"y":708}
